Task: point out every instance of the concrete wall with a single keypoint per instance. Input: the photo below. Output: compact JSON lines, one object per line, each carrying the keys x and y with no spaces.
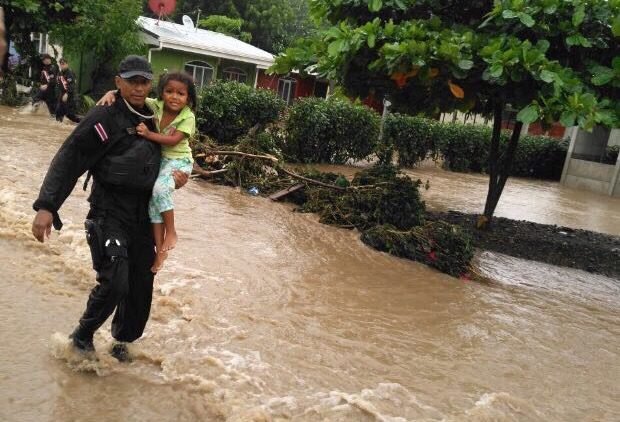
{"x":591,"y":143}
{"x":614,"y":138}
{"x":589,"y":175}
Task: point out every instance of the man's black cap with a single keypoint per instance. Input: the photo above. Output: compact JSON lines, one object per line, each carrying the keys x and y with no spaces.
{"x":135,"y":66}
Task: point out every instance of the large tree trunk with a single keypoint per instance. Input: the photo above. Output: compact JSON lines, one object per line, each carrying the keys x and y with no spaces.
{"x":499,"y":165}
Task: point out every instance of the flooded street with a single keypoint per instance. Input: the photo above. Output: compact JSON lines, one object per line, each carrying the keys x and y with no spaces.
{"x":264,"y":314}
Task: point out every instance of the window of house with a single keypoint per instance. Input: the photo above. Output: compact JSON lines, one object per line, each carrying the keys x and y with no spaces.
{"x":201,"y":71}
{"x":235,"y":74}
{"x":286,"y":89}
{"x":40,"y":42}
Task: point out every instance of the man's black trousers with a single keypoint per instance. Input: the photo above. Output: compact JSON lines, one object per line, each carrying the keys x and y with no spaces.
{"x":68,"y":109}
{"x":49,"y":96}
{"x":122,"y":256}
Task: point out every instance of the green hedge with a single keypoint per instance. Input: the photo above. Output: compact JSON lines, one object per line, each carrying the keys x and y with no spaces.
{"x":228,"y":110}
{"x":540,"y":157}
{"x":466,"y":148}
{"x":329,"y":131}
{"x":413,"y":137}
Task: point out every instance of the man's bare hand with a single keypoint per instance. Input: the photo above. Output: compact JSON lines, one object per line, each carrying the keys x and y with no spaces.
{"x":180,"y":179}
{"x":42,"y":225}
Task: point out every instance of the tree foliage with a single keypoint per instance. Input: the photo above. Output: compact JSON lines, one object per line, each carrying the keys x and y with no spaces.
{"x":25,"y":16}
{"x":225,"y":25}
{"x":548,"y":60}
{"x":106,"y":29}
{"x":273,"y":24}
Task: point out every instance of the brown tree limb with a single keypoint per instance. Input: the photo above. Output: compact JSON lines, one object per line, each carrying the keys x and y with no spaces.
{"x":205,"y":173}
{"x":306,"y":179}
{"x":238,"y":153}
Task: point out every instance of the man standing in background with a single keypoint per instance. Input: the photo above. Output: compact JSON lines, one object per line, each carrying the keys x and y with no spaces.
{"x":66,"y":98}
{"x":47,"y":91}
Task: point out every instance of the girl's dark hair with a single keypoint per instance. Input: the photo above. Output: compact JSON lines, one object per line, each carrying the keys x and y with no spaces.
{"x":184,"y":78}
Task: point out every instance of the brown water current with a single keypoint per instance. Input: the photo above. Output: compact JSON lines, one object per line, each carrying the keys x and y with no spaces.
{"x":264,"y":314}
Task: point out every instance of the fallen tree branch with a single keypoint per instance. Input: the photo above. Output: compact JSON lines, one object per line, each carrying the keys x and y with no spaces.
{"x":238,"y":153}
{"x":305,"y":179}
{"x":275,"y":160}
{"x":205,"y":173}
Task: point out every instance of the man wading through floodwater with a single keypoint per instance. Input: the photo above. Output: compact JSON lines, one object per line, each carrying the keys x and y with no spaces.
{"x":124,"y":167}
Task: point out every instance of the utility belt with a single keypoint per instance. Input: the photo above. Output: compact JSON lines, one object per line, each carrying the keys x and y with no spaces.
{"x":103,"y":247}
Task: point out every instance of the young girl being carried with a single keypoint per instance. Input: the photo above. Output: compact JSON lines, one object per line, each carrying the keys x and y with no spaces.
{"x":176,"y":124}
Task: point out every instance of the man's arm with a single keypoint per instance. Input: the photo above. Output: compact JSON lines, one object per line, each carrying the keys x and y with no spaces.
{"x":82,"y":149}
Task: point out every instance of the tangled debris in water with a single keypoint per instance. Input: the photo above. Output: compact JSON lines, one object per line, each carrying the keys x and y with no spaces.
{"x":437,"y":244}
{"x":382,"y":203}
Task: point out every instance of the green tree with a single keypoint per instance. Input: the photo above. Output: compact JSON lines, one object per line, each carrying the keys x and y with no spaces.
{"x":225,"y":25}
{"x":548,"y":60}
{"x":273,"y":24}
{"x":106,"y":29}
{"x":25,"y":16}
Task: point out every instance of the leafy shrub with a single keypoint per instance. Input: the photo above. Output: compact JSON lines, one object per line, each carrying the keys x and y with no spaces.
{"x":329,"y":131}
{"x":437,"y":244}
{"x":9,"y":95}
{"x":412,"y":137}
{"x":540,"y":157}
{"x":464,"y":147}
{"x":228,"y":110}
{"x":394,"y":200}
{"x":85,"y":104}
{"x":611,"y":155}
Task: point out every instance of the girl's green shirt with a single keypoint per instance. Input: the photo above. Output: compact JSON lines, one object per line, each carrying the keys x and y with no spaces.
{"x":184,"y":122}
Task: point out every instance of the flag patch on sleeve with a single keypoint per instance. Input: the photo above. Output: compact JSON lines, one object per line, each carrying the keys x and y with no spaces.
{"x":101,"y":133}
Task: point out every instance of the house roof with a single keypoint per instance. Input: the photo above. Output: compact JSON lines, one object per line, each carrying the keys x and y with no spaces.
{"x":200,"y":41}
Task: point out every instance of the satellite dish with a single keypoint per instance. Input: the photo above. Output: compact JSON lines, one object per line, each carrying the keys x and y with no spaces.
{"x":162,"y":7}
{"x":187,"y":21}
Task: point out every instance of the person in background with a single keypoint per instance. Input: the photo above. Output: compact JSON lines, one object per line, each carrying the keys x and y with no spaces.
{"x":67,"y":98}
{"x":47,"y":90}
{"x":3,"y":45}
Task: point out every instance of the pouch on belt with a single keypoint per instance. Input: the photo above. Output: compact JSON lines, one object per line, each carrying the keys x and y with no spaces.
{"x":94,"y":238}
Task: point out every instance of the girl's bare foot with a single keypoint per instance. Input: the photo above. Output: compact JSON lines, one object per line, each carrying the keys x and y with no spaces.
{"x":160,"y":257}
{"x":170,"y":241}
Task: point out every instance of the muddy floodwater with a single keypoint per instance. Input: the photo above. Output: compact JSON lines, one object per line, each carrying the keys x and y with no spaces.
{"x":264,"y":314}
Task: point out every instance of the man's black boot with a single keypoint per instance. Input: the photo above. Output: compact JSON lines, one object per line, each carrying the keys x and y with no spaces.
{"x":82,"y":343}
{"x":120,"y":352}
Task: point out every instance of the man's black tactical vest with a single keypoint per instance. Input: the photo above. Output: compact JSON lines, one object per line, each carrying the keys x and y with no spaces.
{"x":132,"y":162}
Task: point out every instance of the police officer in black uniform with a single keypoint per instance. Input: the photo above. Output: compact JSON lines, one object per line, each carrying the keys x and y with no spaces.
{"x":66,"y":97}
{"x":124,"y":167}
{"x":47,"y":90}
